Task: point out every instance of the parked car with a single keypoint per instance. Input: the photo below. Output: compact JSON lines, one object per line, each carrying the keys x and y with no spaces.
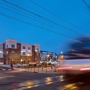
{"x":7,"y":67}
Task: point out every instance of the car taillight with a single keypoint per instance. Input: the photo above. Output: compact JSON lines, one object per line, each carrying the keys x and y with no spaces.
{"x":64,"y":68}
{"x":83,"y":69}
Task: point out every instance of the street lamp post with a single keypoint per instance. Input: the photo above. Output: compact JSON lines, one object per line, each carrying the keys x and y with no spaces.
{"x":61,"y":58}
{"x":21,"y":61}
{"x":56,"y":62}
{"x":37,"y":52}
{"x":47,"y":62}
{"x":28,"y":55}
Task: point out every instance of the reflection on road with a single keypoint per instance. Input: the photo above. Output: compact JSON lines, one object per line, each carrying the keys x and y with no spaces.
{"x":36,"y":83}
{"x":72,"y":86}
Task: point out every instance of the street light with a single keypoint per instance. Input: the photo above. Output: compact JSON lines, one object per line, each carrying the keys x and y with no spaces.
{"x":61,"y":52}
{"x":37,"y":52}
{"x":28,"y":54}
{"x":21,"y":61}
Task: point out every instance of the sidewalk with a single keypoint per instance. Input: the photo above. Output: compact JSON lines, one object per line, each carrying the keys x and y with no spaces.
{"x":40,"y":70}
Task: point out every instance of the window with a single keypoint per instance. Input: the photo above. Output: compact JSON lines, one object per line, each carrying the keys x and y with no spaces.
{"x":37,"y":49}
{"x":6,"y":52}
{"x":12,"y":46}
{"x":28,"y":48}
{"x":24,"y":47}
{"x":13,"y":52}
{"x":24,"y":53}
{"x":0,"y":47}
{"x":7,"y":45}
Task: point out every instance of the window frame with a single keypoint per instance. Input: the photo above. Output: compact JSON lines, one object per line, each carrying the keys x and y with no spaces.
{"x":24,"y":47}
{"x":23,"y":53}
{"x":13,"y":45}
{"x":29,"y":48}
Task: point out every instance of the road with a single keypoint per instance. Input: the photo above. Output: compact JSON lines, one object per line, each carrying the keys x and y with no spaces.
{"x":15,"y":79}
{"x":24,"y":80}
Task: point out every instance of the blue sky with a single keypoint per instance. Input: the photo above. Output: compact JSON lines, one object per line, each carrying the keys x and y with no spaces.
{"x":74,"y":11}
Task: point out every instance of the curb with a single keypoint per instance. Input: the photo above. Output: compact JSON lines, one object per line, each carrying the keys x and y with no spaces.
{"x":4,"y":69}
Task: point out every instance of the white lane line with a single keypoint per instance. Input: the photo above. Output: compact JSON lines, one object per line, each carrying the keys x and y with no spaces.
{"x":3,"y":69}
{"x":7,"y":77}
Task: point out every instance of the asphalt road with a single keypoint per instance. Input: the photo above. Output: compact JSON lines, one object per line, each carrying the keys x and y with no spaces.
{"x":10,"y":79}
{"x":23,"y":80}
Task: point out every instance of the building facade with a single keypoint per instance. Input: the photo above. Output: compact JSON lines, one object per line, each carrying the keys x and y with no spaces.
{"x":15,"y":52}
{"x":45,"y":55}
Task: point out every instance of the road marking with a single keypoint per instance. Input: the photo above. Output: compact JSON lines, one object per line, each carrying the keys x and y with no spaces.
{"x":7,"y":76}
{"x":3,"y":69}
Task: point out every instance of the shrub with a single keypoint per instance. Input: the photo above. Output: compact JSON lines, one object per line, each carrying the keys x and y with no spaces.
{"x":44,"y":64}
{"x":49,"y":64}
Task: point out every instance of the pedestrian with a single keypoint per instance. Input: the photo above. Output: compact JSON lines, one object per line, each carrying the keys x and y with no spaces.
{"x":11,"y":65}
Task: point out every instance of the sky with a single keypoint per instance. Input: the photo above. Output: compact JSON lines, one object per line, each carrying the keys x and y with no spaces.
{"x":51,"y":23}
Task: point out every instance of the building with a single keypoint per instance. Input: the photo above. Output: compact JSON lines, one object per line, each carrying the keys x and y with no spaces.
{"x":45,"y":55}
{"x":15,"y":52}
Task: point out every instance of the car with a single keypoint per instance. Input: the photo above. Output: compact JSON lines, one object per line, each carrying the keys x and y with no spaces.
{"x":6,"y":67}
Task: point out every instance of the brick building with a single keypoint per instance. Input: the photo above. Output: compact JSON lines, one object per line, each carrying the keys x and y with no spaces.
{"x":15,"y":52}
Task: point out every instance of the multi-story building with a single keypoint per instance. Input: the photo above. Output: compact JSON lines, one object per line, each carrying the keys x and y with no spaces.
{"x":48,"y":55}
{"x":15,"y":52}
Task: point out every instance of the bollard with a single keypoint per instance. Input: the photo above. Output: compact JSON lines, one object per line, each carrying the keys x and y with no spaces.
{"x":34,"y":69}
{"x":42,"y":69}
{"x":46,"y":69}
{"x":31,"y":68}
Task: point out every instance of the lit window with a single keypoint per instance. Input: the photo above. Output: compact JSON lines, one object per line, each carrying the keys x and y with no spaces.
{"x":12,"y":46}
{"x":6,"y":52}
{"x":28,"y":48}
{"x":24,"y":47}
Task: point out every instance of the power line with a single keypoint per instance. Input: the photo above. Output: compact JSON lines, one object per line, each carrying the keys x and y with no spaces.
{"x":18,"y":10}
{"x":25,"y":15}
{"x":58,"y":16}
{"x":86,"y":3}
{"x":41,"y":17}
{"x":5,"y":15}
{"x":27,"y":6}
